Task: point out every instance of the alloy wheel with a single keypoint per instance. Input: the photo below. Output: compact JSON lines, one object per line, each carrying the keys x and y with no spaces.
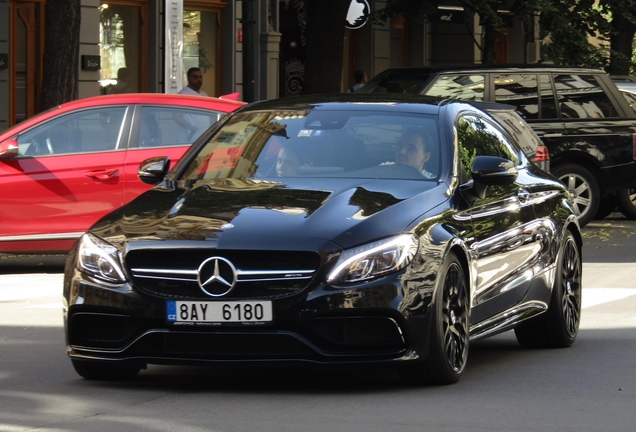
{"x":455,"y":318}
{"x":571,"y":285}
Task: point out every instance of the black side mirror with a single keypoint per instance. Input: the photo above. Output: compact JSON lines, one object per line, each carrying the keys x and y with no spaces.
{"x":153,"y":170}
{"x":491,"y":170}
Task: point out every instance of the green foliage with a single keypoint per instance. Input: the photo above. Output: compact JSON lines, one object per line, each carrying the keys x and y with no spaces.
{"x":574,"y":32}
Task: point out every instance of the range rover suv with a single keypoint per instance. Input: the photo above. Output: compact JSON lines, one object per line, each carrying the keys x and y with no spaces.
{"x":579,"y":113}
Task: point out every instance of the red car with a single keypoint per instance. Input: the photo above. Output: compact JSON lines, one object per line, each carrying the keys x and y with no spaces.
{"x":62,"y":170}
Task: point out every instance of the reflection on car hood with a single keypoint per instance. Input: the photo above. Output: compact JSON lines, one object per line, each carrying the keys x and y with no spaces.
{"x":242,"y":212}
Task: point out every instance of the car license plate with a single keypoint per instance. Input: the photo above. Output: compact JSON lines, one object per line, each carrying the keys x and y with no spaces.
{"x":243,"y":312}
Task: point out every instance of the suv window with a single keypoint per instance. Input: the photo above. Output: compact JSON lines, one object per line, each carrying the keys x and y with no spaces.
{"x":581,"y":96}
{"x":460,"y":87}
{"x":396,"y":83}
{"x":520,"y":90}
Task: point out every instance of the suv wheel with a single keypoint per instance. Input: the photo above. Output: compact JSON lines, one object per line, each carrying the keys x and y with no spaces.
{"x":627,"y":202}
{"x":583,"y":188}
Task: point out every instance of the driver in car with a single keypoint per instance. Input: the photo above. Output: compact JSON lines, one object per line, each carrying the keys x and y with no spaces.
{"x":413,"y":151}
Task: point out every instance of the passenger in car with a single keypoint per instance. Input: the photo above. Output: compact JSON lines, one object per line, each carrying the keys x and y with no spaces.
{"x":414,"y":150}
{"x":290,"y":158}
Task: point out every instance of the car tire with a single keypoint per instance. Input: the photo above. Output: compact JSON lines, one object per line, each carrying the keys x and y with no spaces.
{"x":448,"y":350}
{"x":96,"y":370}
{"x":583,"y":187}
{"x":559,"y":325}
{"x":627,"y":202}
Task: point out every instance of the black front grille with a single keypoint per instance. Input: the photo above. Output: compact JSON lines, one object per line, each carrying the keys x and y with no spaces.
{"x":173,"y":273}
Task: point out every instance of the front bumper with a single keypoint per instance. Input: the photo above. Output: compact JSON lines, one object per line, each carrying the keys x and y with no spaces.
{"x":376,"y":322}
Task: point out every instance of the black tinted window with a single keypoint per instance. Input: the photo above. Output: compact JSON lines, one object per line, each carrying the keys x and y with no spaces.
{"x":461,"y":87}
{"x":533,"y":100}
{"x":395,"y":83}
{"x":581,"y":96}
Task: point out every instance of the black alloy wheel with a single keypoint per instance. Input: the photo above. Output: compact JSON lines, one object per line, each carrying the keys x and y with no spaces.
{"x":448,"y":351}
{"x":584,"y":190}
{"x":559,"y":325}
{"x":627,"y":202}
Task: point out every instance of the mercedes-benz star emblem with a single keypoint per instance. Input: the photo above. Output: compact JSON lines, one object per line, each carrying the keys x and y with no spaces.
{"x":217,"y":276}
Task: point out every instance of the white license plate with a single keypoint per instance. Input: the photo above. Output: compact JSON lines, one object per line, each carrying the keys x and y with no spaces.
{"x":218,"y":312}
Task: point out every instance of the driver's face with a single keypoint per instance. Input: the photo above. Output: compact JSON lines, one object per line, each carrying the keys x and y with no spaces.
{"x":412,"y":152}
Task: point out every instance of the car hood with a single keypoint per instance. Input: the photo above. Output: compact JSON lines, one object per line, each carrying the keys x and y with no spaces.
{"x":248,"y":213}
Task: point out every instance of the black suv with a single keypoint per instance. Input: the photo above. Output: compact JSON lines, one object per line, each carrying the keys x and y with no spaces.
{"x":584,"y":121}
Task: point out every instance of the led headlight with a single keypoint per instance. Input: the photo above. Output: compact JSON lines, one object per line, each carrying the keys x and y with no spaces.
{"x":374,"y":259}
{"x":99,"y":259}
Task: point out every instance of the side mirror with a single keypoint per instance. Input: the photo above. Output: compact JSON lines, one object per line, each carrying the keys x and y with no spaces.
{"x":153,"y":170}
{"x":9,"y":149}
{"x":491,"y":170}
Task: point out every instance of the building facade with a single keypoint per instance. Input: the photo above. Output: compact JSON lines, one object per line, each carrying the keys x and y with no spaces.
{"x":253,"y":47}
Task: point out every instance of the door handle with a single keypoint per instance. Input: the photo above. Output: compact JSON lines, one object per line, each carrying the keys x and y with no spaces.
{"x":102,"y":174}
{"x":552,"y":135}
{"x":523,"y":196}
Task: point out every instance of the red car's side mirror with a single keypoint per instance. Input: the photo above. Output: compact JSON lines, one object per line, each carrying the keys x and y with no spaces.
{"x":8,"y":149}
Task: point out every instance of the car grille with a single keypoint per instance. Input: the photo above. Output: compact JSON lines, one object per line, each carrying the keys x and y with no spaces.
{"x":173,"y":273}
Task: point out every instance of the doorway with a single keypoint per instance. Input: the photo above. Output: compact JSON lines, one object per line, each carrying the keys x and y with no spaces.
{"x":25,"y":65}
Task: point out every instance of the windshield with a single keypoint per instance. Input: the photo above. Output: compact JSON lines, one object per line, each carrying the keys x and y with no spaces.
{"x":321,"y":143}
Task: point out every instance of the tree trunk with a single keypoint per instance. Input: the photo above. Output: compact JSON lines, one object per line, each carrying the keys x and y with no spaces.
{"x":61,"y":52}
{"x":324,"y":49}
{"x":621,"y":41}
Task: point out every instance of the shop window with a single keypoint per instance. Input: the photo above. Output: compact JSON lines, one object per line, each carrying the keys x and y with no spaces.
{"x":201,"y":46}
{"x":122,"y":46}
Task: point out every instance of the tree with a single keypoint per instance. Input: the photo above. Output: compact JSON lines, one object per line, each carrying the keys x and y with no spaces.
{"x":568,"y":26}
{"x":61,"y":52}
{"x":622,"y":18}
{"x":324,"y":48}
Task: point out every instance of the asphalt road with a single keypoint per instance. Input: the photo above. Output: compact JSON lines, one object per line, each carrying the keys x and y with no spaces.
{"x":588,"y":387}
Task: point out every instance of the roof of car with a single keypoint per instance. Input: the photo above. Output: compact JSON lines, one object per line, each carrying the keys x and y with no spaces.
{"x":369,"y":102}
{"x":159,"y":98}
{"x":225,"y":105}
{"x":499,"y":67}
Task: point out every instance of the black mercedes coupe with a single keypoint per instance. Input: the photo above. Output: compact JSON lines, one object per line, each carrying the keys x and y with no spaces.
{"x":330,"y":229}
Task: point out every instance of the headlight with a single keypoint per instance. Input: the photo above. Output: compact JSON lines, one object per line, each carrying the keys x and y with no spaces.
{"x":374,"y":259}
{"x":99,"y":259}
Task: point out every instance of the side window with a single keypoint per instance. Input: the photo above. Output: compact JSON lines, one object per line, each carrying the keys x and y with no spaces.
{"x":478,"y":137}
{"x":520,"y":90}
{"x":168,"y":126}
{"x":581,"y":96}
{"x":631,"y":99}
{"x":461,"y":87}
{"x":94,"y":130}
{"x":548,"y":105}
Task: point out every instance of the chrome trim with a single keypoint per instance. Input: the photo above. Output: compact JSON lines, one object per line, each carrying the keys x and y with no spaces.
{"x":243,"y":275}
{"x":39,"y":237}
{"x":504,"y":320}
